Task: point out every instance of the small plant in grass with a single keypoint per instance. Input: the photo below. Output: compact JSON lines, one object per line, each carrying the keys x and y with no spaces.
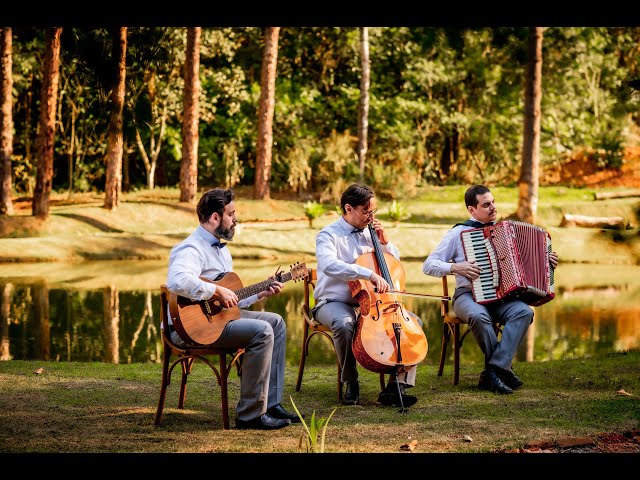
{"x":397,"y":213}
{"x":313,"y":210}
{"x":316,"y":426}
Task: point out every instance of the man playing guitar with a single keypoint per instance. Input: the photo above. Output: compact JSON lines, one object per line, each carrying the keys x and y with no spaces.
{"x":262,"y":335}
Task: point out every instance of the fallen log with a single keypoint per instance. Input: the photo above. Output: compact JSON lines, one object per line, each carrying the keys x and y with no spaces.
{"x":569,"y":220}
{"x":607,"y":195}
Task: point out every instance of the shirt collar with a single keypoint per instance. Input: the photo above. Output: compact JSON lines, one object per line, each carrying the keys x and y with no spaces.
{"x":346,"y":226}
{"x":485,"y":224}
{"x":206,"y":236}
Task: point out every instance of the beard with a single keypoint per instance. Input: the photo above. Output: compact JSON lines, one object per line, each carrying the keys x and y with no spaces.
{"x":225,"y":233}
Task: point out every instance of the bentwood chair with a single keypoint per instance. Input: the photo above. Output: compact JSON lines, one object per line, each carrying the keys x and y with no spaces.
{"x":312,"y":327}
{"x":186,"y":357}
{"x":454,"y":330}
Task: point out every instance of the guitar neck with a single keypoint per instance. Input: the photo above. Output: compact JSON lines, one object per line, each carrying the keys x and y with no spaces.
{"x":256,"y":288}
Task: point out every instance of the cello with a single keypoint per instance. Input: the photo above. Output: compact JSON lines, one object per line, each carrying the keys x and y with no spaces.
{"x":388,"y":338}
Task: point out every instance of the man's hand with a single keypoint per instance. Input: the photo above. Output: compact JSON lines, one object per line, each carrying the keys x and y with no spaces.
{"x":226,"y":297}
{"x":553,"y":260}
{"x":380,"y":283}
{"x":466,"y":269}
{"x":275,"y":288}
{"x":380,"y":231}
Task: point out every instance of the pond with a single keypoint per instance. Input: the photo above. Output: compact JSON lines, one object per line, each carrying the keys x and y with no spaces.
{"x":109,"y":312}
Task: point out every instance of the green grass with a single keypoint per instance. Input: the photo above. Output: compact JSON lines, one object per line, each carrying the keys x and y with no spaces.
{"x":96,"y":407}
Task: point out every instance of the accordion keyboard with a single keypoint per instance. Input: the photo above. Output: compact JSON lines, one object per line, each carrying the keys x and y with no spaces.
{"x":479,"y":249}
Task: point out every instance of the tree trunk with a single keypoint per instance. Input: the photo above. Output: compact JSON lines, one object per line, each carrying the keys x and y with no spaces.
{"x":46,"y":132}
{"x":265,"y":113}
{"x":113,"y":185}
{"x":41,"y":321}
{"x":6,"y":186}
{"x":111,"y":304}
{"x":363,"y":107}
{"x":5,"y":318}
{"x":569,"y":220}
{"x":528,"y":182}
{"x":189,"y":164}
{"x":607,"y":195}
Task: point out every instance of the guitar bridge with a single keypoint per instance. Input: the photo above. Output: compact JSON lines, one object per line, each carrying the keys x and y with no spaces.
{"x":207,"y":307}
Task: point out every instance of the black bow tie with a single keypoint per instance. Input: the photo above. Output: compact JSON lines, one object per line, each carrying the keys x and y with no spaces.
{"x":219,"y":245}
{"x":357,"y":230}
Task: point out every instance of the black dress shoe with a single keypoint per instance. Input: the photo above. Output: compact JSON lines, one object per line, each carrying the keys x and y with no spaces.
{"x":352,"y":393}
{"x":278,"y":411}
{"x":489,"y":380}
{"x":509,"y":378}
{"x":263,"y":422}
{"x":389,"y":396}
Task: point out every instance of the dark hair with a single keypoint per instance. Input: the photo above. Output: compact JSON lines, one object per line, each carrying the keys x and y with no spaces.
{"x":471,"y":195}
{"x":213,"y":200}
{"x":356,"y":195}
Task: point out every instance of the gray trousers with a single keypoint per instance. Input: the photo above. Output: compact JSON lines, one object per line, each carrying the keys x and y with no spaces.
{"x":263,"y":336}
{"x":341,"y":319}
{"x":515,"y":315}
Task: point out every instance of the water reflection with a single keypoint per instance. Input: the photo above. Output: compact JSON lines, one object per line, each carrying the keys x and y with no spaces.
{"x":52,"y":318}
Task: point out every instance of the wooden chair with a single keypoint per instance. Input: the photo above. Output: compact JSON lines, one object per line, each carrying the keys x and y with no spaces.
{"x":454,"y":330}
{"x":186,"y":356}
{"x":312,"y":327}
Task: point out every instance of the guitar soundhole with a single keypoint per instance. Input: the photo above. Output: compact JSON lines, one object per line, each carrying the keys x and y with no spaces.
{"x":215,"y":307}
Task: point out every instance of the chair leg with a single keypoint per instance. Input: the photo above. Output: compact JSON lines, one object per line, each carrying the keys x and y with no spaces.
{"x":303,"y":355}
{"x":456,"y":353}
{"x":224,"y":398}
{"x":339,"y":383}
{"x":382,"y":382}
{"x":166,"y":358}
{"x":446,"y":335}
{"x":186,"y":365}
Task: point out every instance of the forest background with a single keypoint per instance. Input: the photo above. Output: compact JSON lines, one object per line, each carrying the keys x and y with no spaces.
{"x":446,"y":106}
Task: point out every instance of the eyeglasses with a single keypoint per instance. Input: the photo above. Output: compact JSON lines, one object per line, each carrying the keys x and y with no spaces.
{"x":371,"y":213}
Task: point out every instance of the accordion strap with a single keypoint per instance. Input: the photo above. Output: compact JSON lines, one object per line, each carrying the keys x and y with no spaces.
{"x":472,"y":223}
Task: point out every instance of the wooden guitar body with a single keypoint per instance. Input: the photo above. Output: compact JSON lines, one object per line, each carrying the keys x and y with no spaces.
{"x":194,"y":324}
{"x":202,"y":321}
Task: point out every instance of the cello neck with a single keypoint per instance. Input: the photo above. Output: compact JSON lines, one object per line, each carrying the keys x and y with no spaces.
{"x":377,"y":248}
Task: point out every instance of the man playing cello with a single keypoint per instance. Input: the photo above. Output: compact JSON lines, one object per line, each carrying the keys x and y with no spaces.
{"x":338,"y":246}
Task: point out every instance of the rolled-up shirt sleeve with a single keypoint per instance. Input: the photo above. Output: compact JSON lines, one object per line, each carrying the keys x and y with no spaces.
{"x":438,"y":263}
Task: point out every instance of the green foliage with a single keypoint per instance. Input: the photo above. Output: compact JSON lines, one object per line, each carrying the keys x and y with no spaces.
{"x":315,"y":427}
{"x":398,"y":212}
{"x":445,"y":104}
{"x":313,"y":210}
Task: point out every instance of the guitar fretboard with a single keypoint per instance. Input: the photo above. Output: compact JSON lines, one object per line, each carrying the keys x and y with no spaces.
{"x":256,"y":288}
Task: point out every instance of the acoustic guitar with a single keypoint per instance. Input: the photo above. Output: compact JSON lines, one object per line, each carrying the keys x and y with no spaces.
{"x":202,"y":321}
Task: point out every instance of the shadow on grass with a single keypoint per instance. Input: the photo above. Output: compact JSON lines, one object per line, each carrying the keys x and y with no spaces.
{"x":103,"y":227}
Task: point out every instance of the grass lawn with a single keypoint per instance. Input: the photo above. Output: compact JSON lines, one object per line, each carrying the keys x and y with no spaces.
{"x":105,"y":408}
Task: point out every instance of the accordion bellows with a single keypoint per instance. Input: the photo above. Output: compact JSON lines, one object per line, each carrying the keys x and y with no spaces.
{"x":514,"y":258}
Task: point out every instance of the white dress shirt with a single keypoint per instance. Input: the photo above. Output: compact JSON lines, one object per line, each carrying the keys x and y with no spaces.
{"x":194,"y":257}
{"x":337,"y":249}
{"x":448,"y":251}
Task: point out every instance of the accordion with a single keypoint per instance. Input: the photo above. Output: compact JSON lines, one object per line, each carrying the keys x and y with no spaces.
{"x":514,"y":259}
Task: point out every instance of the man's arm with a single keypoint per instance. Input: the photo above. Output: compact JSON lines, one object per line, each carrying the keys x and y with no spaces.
{"x":332,"y":266}
{"x":439,"y":262}
{"x":183,"y":275}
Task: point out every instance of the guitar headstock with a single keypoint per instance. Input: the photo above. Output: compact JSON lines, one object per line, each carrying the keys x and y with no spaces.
{"x":299,"y":271}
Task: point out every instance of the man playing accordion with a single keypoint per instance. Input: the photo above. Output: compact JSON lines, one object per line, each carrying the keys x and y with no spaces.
{"x":512,"y":312}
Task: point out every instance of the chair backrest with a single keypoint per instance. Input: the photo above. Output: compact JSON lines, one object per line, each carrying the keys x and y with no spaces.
{"x":164,"y":310}
{"x":164,"y":307}
{"x":444,"y":303}
{"x":309,"y":285}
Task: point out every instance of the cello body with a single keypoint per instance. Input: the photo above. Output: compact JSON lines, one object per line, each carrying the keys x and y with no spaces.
{"x":388,"y":337}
